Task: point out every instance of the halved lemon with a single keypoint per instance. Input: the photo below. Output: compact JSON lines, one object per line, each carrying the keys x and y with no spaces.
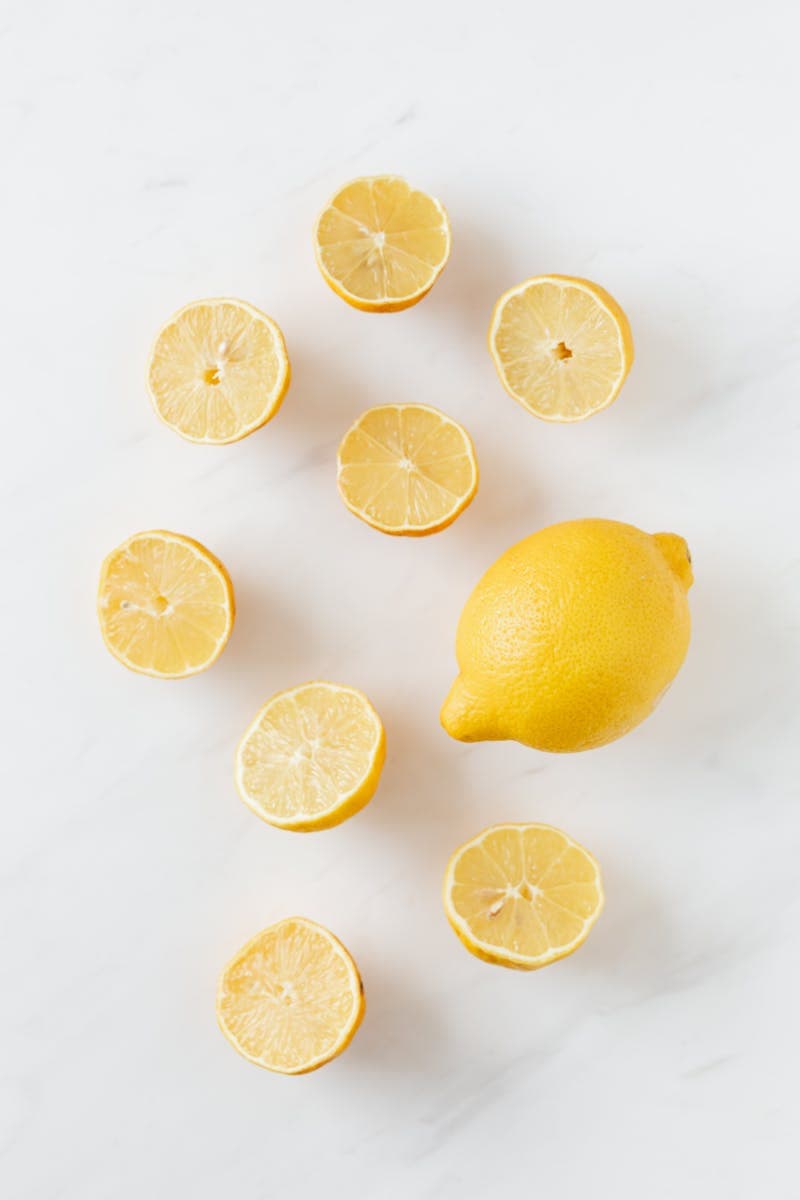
{"x":312,"y":757}
{"x":562,"y":346}
{"x":165,"y":604}
{"x":407,"y":469}
{"x":218,"y":370}
{"x":291,"y":999}
{"x":522,"y":895}
{"x":381,"y":244}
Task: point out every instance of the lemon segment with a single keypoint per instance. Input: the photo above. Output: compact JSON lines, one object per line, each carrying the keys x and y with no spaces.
{"x":165,"y":605}
{"x":312,"y":757}
{"x":407,"y":469}
{"x":218,"y":370}
{"x":522,"y":895}
{"x":381,"y":244}
{"x":562,"y":346}
{"x":571,"y":637}
{"x":291,"y":999}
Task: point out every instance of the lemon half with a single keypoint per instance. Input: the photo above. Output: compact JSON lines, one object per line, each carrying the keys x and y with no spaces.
{"x":312,"y":757}
{"x":218,"y":370}
{"x":407,"y":469}
{"x":562,"y":346}
{"x":291,"y":999}
{"x":522,"y":895}
{"x":165,"y":604}
{"x":381,"y":244}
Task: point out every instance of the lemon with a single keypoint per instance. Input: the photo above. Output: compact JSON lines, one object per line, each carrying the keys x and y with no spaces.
{"x":291,"y":999}
{"x":407,"y":469}
{"x":381,"y":244}
{"x":562,"y":346}
{"x":165,"y":604}
{"x":312,"y":757}
{"x":572,"y":636}
{"x":522,"y":895}
{"x":218,"y":370}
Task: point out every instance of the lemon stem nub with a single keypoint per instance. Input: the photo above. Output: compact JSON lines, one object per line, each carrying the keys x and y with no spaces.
{"x":676,"y":552}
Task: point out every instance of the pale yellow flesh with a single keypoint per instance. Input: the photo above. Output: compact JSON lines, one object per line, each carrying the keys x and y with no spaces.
{"x":218,"y":370}
{"x":381,"y":244}
{"x":165,"y":604}
{"x":312,"y":757}
{"x":522,"y":895}
{"x":407,"y":469}
{"x":291,"y":999}
{"x":562,"y":347}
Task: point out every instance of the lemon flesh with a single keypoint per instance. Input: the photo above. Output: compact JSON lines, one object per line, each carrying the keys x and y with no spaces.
{"x":522,"y":895}
{"x":218,"y":370}
{"x":291,"y":999}
{"x":312,"y":757}
{"x":407,"y":469}
{"x":165,"y":604}
{"x":571,"y":638}
{"x":562,"y":346}
{"x":381,"y":244}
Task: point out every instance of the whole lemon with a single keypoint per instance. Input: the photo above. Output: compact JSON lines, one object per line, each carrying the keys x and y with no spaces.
{"x":572,"y":636}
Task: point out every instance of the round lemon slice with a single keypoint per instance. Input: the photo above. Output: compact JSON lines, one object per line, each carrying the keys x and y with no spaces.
{"x":522,"y":895}
{"x":165,"y":605}
{"x":562,"y":347}
{"x":381,"y":244}
{"x":218,"y":370}
{"x":312,"y":757}
{"x":407,"y":469}
{"x":291,"y":999}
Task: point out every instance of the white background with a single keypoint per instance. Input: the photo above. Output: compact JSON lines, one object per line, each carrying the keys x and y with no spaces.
{"x":157,"y":152}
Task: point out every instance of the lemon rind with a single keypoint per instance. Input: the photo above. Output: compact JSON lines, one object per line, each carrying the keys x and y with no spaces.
{"x":347,"y":1034}
{"x":614,"y":310}
{"x":348,"y":804}
{"x":490,"y":953}
{"x":202,"y":552}
{"x":406,"y":529}
{"x":278,"y":394}
{"x":382,"y":306}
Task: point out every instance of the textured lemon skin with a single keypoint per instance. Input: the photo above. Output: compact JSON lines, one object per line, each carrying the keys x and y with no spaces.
{"x":571,"y":638}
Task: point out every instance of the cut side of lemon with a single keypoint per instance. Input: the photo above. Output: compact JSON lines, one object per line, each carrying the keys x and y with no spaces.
{"x":291,"y":999}
{"x":165,"y":605}
{"x":218,"y":370}
{"x":312,"y":757}
{"x":522,"y":895}
{"x":381,"y":244}
{"x":562,"y":346}
{"x":407,"y":469}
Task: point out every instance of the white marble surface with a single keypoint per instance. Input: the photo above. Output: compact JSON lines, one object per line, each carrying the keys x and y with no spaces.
{"x":157,"y":152}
